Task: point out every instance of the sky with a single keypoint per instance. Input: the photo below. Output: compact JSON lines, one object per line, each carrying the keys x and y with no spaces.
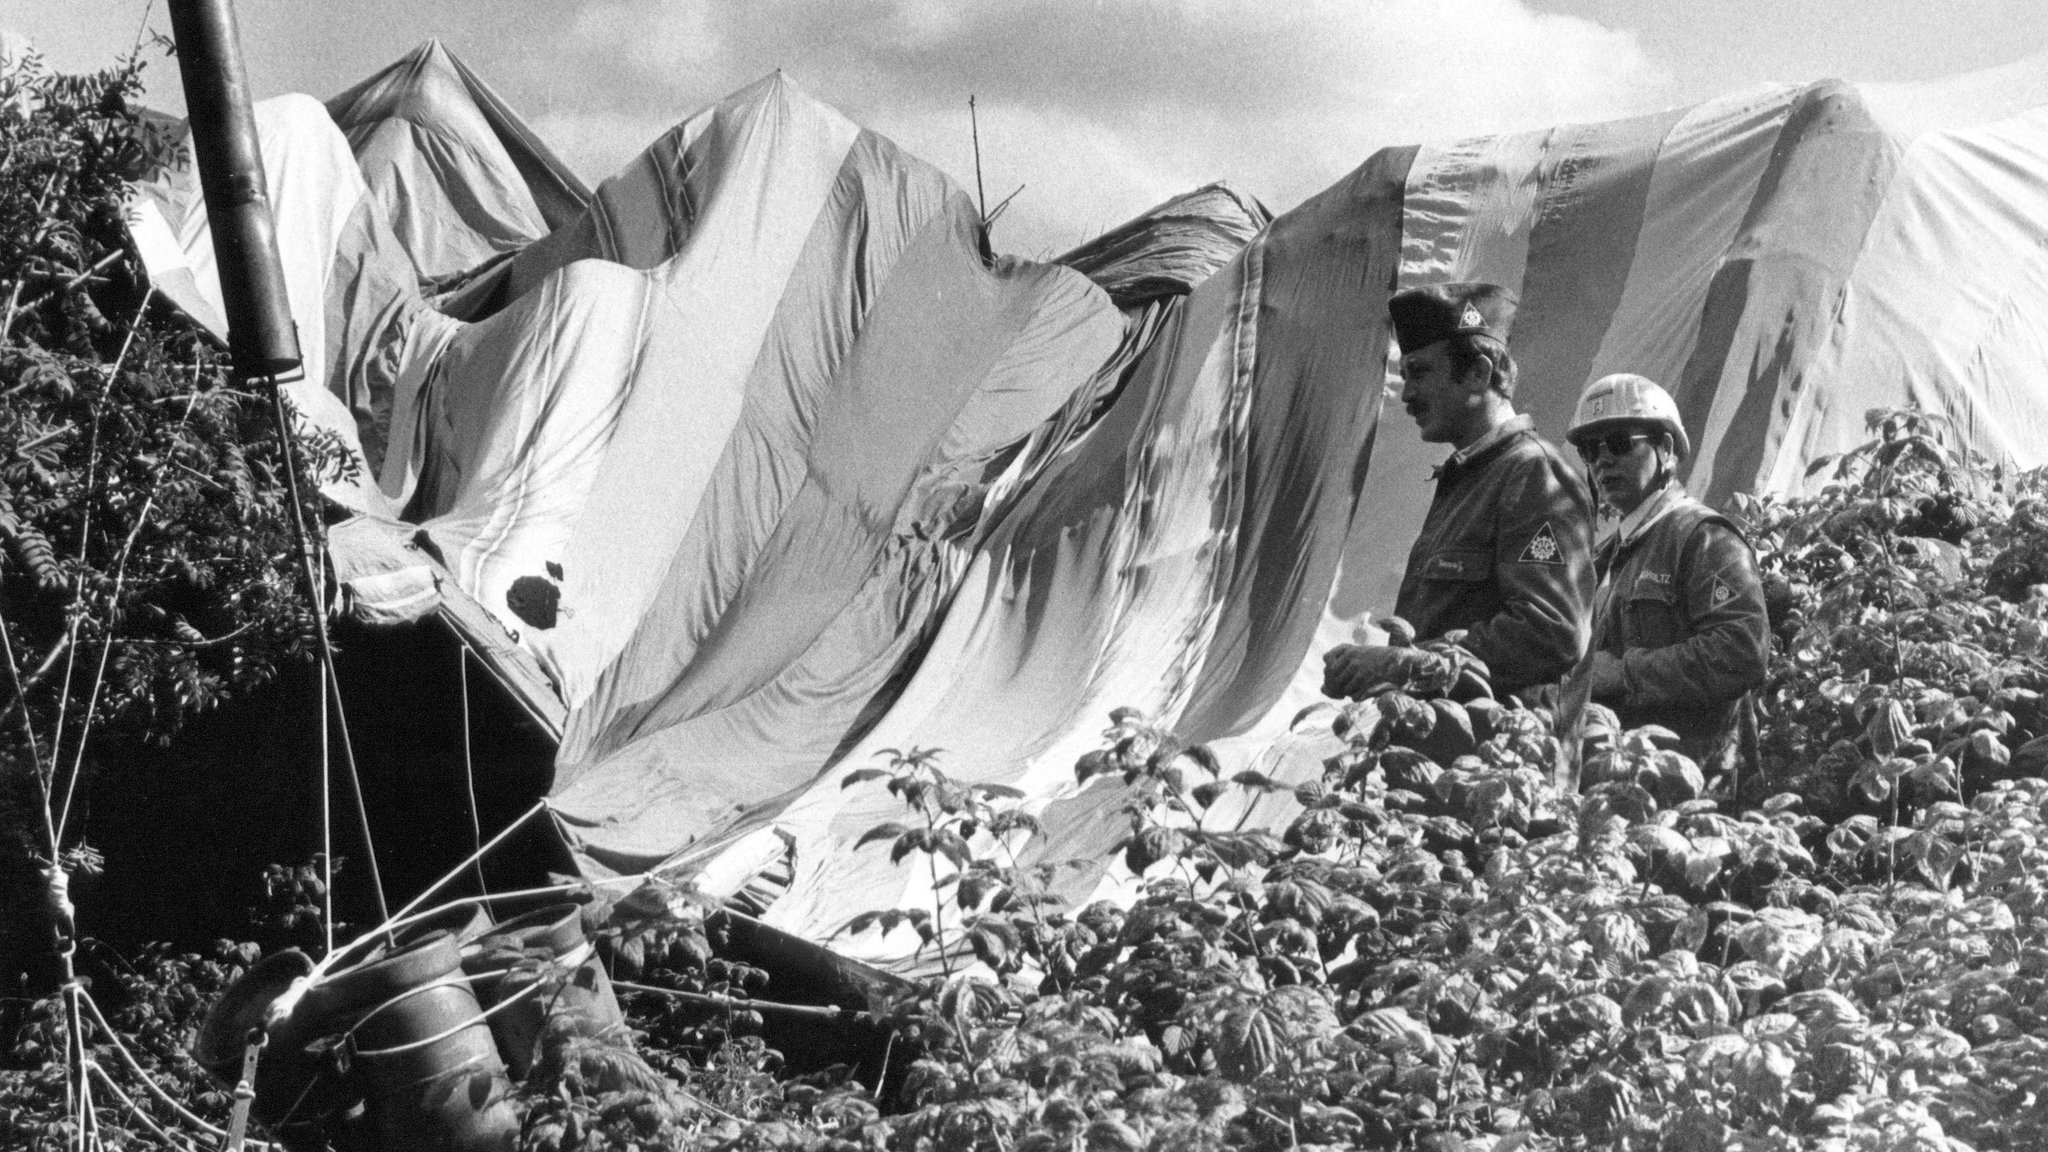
{"x":1097,"y":108}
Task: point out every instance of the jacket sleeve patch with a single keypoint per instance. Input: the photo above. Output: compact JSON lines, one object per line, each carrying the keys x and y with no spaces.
{"x":1542,"y":548}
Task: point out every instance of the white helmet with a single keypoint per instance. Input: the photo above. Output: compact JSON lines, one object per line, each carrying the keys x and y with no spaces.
{"x":1623,"y":399}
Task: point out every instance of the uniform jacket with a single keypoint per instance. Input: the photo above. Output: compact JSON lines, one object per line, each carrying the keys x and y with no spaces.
{"x":1683,"y":607}
{"x":1506,"y":552}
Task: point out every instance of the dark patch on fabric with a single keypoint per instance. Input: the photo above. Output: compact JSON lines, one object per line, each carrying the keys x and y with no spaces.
{"x":536,"y":600}
{"x":425,"y":543}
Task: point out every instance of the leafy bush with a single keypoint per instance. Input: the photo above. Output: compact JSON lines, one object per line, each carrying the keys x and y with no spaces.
{"x":154,"y":1005}
{"x":148,"y":570}
{"x":142,"y":496}
{"x":1847,"y":949}
{"x":148,"y":562}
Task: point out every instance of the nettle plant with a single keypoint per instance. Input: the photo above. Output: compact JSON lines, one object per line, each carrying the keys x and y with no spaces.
{"x":1447,"y":948}
{"x":1171,"y":788}
{"x":1911,"y":616}
{"x":1424,"y":959}
{"x":993,"y":902}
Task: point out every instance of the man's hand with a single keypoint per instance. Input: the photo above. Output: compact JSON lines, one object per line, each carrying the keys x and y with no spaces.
{"x":1609,"y":681}
{"x":1352,"y":670}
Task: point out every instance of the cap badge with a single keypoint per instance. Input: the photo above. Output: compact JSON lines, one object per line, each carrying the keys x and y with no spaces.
{"x":1471,"y":318}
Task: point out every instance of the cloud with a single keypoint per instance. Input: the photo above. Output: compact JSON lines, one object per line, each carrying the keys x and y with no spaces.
{"x":656,"y":39}
{"x":1103,"y":109}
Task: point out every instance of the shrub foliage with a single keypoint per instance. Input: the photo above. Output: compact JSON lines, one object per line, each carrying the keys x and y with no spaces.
{"x":148,"y":570}
{"x":1435,"y":947}
{"x":148,"y":566}
{"x":1438,"y":949}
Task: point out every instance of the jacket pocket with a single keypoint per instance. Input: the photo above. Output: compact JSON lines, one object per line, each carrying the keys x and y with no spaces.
{"x":1470,"y":564}
{"x":1652,"y":618}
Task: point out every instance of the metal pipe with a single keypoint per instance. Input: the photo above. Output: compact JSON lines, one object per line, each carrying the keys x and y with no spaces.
{"x":260,"y":333}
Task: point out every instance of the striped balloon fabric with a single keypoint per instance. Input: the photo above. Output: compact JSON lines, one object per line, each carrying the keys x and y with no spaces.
{"x":770,"y":466}
{"x":1782,"y":260}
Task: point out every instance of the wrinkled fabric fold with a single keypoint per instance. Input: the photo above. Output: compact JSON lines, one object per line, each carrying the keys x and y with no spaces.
{"x":772,"y":467}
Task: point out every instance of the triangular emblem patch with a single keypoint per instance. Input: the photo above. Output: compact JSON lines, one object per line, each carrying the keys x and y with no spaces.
{"x":1471,"y":318}
{"x":1543,"y":548}
{"x":1722,"y":592}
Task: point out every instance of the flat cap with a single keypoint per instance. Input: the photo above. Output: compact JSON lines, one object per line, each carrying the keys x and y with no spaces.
{"x":1423,"y":316}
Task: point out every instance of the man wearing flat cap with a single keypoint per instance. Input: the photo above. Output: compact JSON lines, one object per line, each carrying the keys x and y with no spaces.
{"x":1506,"y":552}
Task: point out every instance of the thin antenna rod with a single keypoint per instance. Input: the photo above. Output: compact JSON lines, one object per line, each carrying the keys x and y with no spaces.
{"x":990,"y":219}
{"x":980,"y":197}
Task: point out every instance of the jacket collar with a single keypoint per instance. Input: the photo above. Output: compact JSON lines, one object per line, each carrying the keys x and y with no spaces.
{"x":1661,"y":503}
{"x":1520,"y":422}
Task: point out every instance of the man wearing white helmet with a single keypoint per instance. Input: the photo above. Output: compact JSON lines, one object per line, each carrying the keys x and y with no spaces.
{"x":1680,"y":633}
{"x":1505,"y":554}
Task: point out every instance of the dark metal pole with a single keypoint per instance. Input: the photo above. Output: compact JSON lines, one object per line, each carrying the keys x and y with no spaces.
{"x":261,"y":336}
{"x":260,"y":332}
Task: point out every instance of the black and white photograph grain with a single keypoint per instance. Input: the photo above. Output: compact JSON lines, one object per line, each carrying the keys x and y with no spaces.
{"x":1024,"y":576}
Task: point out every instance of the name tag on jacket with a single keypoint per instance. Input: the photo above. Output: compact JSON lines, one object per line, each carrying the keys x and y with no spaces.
{"x":1458,"y":564}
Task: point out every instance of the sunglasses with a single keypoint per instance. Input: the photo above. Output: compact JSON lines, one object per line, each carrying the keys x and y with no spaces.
{"x":1617,"y":445}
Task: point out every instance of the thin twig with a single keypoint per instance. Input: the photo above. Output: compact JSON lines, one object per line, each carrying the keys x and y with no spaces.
{"x":28,"y":729}
{"x":203,"y":642}
{"x":882,"y":1076}
{"x":980,"y":197}
{"x":135,"y":1111}
{"x":45,"y":438}
{"x":1000,"y":207}
{"x":78,"y":606}
{"x":806,"y":1011}
{"x":13,"y":302}
{"x":101,"y":265}
{"x":196,"y":474}
{"x":136,"y":1067}
{"x":34,"y":679}
{"x":141,"y":29}
{"x":113,"y":605}
{"x":348,"y":753}
{"x":476,"y":830}
{"x":14,"y":294}
{"x":20,"y":698}
{"x":220,"y":391}
{"x":701,"y":1102}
